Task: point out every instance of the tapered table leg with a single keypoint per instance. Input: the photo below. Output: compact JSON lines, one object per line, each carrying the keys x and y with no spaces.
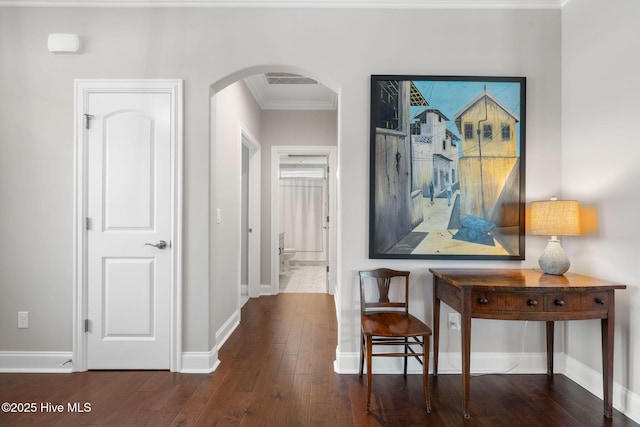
{"x":550,"y":338}
{"x":436,"y":325}
{"x":607,"y":357}
{"x":466,"y":350}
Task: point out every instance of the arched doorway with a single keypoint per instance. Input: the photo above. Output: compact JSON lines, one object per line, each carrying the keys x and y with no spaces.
{"x":221,"y":105}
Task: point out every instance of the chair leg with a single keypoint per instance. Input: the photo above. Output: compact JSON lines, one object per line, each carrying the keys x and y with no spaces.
{"x":406,"y":351}
{"x":425,"y":373}
{"x":369,"y":371}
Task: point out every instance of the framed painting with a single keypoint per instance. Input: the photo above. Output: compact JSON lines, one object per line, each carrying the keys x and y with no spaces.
{"x":447,"y":166}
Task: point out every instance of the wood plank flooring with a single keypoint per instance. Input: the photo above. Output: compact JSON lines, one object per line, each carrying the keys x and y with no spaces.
{"x":277,"y":371}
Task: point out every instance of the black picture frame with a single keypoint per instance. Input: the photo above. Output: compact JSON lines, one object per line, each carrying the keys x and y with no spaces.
{"x":447,"y":167}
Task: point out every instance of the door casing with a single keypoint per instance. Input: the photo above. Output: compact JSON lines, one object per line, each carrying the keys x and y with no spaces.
{"x":332,"y":237}
{"x":255,"y":159}
{"x":82,"y":89}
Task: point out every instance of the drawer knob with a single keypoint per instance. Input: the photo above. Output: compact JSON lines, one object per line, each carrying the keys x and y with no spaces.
{"x":483,"y":301}
{"x":599,"y":301}
{"x":560,"y":302}
{"x":532,"y":302}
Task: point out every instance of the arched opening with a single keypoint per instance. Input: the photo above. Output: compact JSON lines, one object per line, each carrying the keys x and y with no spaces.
{"x":235,"y":113}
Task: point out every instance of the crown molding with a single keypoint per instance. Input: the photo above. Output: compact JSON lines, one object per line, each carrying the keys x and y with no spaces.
{"x":312,"y":4}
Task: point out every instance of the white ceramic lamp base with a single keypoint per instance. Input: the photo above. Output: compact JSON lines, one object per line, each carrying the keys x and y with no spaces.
{"x":553,"y":260}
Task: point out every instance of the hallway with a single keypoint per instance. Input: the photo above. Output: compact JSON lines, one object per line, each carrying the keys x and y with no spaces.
{"x":304,"y":279}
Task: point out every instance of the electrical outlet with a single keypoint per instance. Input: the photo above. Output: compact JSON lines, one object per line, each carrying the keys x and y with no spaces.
{"x":454,"y":321}
{"x":23,"y":319}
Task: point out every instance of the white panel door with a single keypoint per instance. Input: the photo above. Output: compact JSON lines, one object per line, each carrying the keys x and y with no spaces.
{"x":129,"y":205}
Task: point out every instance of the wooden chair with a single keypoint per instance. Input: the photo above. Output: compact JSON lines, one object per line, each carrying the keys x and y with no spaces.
{"x":387,"y":322}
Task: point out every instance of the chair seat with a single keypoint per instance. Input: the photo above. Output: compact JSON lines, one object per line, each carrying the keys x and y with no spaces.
{"x":393,"y":324}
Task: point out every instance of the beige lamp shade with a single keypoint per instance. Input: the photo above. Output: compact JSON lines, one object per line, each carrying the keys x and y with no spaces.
{"x":555,"y":218}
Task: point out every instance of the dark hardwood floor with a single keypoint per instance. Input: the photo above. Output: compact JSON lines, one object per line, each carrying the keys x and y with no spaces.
{"x":277,"y":370}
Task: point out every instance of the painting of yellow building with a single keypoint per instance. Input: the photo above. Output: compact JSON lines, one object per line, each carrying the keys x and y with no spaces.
{"x":456,"y":145}
{"x":489,"y":166}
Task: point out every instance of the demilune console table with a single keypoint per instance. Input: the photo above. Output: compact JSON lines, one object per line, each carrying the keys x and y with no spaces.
{"x":524,"y":295}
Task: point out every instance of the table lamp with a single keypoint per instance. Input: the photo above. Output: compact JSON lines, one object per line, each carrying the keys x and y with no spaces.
{"x":555,"y":218}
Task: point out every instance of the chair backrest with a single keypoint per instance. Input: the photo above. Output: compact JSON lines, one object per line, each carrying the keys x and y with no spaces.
{"x":384,"y":278}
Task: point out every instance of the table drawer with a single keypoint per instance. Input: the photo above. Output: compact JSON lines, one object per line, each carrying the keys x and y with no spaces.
{"x":595,"y":301}
{"x":562,"y":302}
{"x":559,"y":302}
{"x":506,"y":301}
{"x":583,"y":301}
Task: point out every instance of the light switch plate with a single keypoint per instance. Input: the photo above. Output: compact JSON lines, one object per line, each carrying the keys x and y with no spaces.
{"x":23,"y":319}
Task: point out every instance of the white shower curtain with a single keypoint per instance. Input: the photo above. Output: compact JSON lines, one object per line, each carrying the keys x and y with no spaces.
{"x":302,"y":215}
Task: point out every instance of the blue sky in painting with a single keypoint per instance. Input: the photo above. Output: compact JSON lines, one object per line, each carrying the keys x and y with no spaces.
{"x":450,"y":96}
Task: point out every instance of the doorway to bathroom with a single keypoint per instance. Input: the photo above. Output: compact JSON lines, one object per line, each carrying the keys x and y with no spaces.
{"x":303,"y":189}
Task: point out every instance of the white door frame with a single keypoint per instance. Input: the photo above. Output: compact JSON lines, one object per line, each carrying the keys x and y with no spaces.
{"x":255,"y":160}
{"x":82,"y":89}
{"x":332,"y":237}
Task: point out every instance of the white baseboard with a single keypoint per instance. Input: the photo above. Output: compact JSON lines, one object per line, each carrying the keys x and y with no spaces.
{"x":223,"y":334}
{"x":36,"y":361}
{"x":265,"y":290}
{"x":499,"y":363}
{"x":56,"y":362}
{"x":205,"y":362}
{"x":346,"y":363}
{"x":450,"y":363}
{"x":623,"y":399}
{"x":199,"y":362}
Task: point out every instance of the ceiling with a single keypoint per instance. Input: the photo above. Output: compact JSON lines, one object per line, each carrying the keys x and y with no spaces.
{"x":398,"y":4}
{"x":286,"y":91}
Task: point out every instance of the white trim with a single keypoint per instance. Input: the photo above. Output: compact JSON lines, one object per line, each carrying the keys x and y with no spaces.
{"x":624,"y":400}
{"x":225,"y":331}
{"x":82,"y":89}
{"x":297,"y":105}
{"x":176,"y":182}
{"x":199,"y":362}
{"x":500,"y":363}
{"x":204,"y":362}
{"x":265,"y":289}
{"x":57,"y":362}
{"x":315,"y":4}
{"x":450,"y":363}
{"x":331,"y":152}
{"x":247,"y":139}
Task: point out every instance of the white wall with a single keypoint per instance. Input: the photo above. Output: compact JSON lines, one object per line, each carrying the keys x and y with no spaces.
{"x":600,"y":158}
{"x":234,"y":105}
{"x":206,"y":46}
{"x":517,"y":43}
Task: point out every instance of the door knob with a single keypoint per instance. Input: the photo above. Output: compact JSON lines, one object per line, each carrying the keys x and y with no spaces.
{"x":160,"y":245}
